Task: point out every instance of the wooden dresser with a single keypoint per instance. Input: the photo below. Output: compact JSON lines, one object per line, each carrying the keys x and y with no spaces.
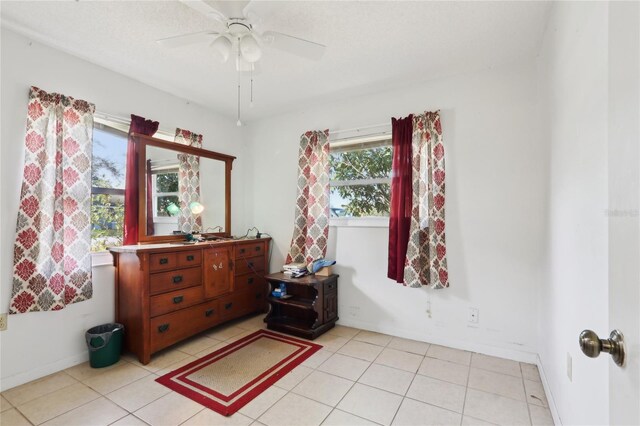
{"x":168,"y":292}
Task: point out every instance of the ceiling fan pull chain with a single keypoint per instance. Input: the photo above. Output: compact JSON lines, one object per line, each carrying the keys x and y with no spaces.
{"x":239,"y":123}
{"x":251,"y":88}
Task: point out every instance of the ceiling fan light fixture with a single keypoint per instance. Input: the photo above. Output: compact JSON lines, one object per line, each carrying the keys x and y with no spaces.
{"x":250,"y":49}
{"x":221,"y":47}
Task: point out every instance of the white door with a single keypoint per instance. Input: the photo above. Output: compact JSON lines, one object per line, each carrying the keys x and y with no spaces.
{"x":624,"y":205}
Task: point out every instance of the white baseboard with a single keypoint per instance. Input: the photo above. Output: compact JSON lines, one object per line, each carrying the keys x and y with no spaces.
{"x":547,"y":390}
{"x":42,"y":371}
{"x":512,"y":354}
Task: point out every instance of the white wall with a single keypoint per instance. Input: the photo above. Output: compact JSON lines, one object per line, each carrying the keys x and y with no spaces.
{"x":573,"y":82}
{"x":39,"y":343}
{"x":495,"y":211}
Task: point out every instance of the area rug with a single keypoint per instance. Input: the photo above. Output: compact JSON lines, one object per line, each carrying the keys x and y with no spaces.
{"x":231,"y":377}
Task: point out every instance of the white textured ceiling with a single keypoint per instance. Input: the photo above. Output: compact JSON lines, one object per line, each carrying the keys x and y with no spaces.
{"x":371,"y":46}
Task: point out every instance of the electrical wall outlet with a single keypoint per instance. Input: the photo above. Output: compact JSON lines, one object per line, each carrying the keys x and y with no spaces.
{"x":3,"y":322}
{"x":569,"y":367}
{"x":474,"y":314}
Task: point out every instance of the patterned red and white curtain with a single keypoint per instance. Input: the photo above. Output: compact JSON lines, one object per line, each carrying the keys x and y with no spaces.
{"x":311,"y":224}
{"x":188,"y":182}
{"x":426,"y":262}
{"x":51,"y":256}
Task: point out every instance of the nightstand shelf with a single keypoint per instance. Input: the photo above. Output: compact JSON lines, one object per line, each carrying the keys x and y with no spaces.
{"x":311,"y":311}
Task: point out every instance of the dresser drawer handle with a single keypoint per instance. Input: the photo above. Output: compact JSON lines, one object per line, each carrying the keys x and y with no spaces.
{"x":208,"y":312}
{"x":190,"y":258}
{"x":241,"y":251}
{"x":178,"y":299}
{"x":250,"y":280}
{"x":257,"y":248}
{"x":164,"y":261}
{"x":177,"y":279}
{"x":250,"y":264}
{"x":163,"y":328}
{"x":228,"y":305}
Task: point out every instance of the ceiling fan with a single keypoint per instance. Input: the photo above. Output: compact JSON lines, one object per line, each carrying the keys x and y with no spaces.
{"x":237,"y":30}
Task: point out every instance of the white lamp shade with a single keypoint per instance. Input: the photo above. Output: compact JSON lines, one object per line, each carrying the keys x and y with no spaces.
{"x":196,"y":207}
{"x":250,"y":49}
{"x":221,"y":47}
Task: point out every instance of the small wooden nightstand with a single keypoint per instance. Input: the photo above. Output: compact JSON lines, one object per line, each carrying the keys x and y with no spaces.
{"x":312,"y":309}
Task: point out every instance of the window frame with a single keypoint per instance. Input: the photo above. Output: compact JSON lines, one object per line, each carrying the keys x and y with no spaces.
{"x":103,"y":258}
{"x":155,"y":195}
{"x":363,"y":142}
{"x":98,"y":190}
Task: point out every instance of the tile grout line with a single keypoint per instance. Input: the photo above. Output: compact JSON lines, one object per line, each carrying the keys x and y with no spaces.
{"x":68,"y":411}
{"x":76,"y":381}
{"x":119,"y":418}
{"x":526,"y":399}
{"x":466,"y":389}
{"x":351,"y":414}
{"x":195,"y":414}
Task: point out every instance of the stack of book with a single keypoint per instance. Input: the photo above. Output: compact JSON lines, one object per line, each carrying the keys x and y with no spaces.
{"x":295,"y":270}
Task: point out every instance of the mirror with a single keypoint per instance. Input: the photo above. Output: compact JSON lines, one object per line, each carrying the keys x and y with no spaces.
{"x":183,"y":190}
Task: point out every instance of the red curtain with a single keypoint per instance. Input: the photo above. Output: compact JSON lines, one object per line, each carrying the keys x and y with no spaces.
{"x":150,"y":227}
{"x":131,"y":191}
{"x":401,"y":196}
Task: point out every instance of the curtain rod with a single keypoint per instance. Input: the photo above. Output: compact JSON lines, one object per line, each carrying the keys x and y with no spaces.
{"x":111,"y":117}
{"x":358,"y":129}
{"x":126,"y":122}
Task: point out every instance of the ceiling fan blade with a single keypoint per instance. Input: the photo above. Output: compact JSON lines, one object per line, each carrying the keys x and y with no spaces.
{"x":187,"y":39}
{"x":204,"y":8}
{"x":294,"y":45}
{"x":229,"y":8}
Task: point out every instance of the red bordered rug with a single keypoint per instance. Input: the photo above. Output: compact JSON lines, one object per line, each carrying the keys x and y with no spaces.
{"x":231,"y":377}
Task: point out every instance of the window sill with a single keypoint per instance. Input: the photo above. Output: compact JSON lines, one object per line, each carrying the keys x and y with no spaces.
{"x":101,"y":258}
{"x":359,"y":222}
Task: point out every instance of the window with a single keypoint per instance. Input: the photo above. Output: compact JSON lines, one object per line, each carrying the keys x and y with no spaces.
{"x":164,"y":192}
{"x":360,"y":177}
{"x":107,"y":187}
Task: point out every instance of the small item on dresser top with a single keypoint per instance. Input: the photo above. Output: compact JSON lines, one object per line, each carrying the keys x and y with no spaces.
{"x":295,"y":270}
{"x":318,"y":264}
{"x":294,"y":266}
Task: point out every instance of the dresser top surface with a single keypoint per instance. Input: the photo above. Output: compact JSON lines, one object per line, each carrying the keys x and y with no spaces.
{"x":306,"y":280}
{"x":137,"y":248}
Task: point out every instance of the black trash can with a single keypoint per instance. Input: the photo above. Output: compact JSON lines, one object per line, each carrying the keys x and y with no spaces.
{"x":105,"y":344}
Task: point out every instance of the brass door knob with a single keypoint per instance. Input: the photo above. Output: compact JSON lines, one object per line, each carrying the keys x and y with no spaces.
{"x":592,"y":345}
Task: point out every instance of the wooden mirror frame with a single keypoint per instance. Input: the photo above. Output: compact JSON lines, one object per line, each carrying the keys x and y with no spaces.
{"x":142,"y":142}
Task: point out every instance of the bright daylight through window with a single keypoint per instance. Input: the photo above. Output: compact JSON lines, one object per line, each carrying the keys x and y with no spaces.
{"x":107,"y":187}
{"x":360,"y":177}
{"x":165,"y":191}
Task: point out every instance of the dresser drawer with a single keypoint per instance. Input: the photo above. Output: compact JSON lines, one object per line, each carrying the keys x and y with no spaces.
{"x":170,"y":328}
{"x":331,"y":286}
{"x":249,"y":249}
{"x":258,"y":299}
{"x":250,"y":281}
{"x":235,"y":305}
{"x":253,"y":265}
{"x":189,"y":258}
{"x":179,"y":299}
{"x":174,"y":280}
{"x":162,"y":261}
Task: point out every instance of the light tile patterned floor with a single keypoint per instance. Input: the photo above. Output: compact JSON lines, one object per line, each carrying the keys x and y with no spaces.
{"x":358,"y":378}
